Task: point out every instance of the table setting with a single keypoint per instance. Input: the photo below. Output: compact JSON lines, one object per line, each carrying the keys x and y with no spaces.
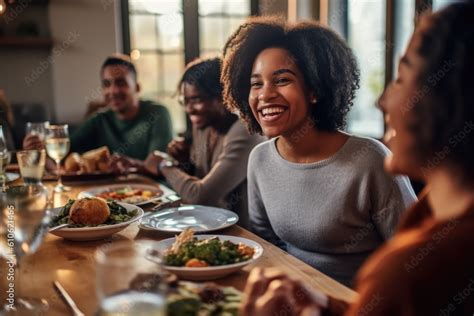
{"x":127,"y":246}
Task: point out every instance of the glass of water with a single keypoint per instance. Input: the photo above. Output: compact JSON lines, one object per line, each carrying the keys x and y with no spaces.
{"x":130,"y":279}
{"x":37,"y":128}
{"x":4,"y":158}
{"x":24,"y":222}
{"x":31,"y":163}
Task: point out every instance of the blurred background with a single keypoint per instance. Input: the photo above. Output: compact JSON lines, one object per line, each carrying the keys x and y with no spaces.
{"x":51,"y":50}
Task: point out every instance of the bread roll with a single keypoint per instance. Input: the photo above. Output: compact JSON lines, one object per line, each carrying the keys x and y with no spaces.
{"x":89,"y":211}
{"x":73,"y":162}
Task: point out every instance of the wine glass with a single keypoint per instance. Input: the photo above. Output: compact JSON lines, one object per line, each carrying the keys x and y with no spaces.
{"x":4,"y":158}
{"x":37,"y":128}
{"x":57,"y":147}
{"x":130,"y":279}
{"x":31,"y":163}
{"x":23,"y":223}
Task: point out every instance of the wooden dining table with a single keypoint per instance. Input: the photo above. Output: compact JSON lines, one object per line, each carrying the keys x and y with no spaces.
{"x":72,"y":263}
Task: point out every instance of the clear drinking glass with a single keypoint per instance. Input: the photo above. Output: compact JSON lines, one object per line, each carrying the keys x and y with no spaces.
{"x":23,"y":224}
{"x":37,"y":128}
{"x":4,"y":158}
{"x":130,"y":279}
{"x":57,"y":147}
{"x":31,"y":163}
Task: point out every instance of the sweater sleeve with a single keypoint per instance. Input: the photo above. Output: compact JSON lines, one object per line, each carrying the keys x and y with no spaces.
{"x":162,"y":131}
{"x":393,"y":197}
{"x":259,"y":221}
{"x":226,"y":174}
{"x":84,"y":137}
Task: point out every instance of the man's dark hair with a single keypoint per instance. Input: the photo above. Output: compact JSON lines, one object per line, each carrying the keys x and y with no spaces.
{"x":120,"y":60}
{"x":204,"y":74}
{"x":444,"y":117}
{"x":328,"y":66}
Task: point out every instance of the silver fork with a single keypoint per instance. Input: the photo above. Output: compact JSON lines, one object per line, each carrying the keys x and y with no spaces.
{"x":68,"y":299}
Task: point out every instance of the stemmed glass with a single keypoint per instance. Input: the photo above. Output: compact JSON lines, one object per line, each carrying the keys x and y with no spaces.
{"x":37,"y":128}
{"x":23,"y":223}
{"x":130,"y":279}
{"x":31,"y":163}
{"x":57,"y":147}
{"x":4,"y":158}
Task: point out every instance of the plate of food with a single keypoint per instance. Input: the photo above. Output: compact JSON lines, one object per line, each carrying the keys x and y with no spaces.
{"x":91,"y":165}
{"x":207,"y":257}
{"x":93,"y":218}
{"x":197,"y":217}
{"x":189,"y":298}
{"x":137,"y":194}
{"x":11,"y":176}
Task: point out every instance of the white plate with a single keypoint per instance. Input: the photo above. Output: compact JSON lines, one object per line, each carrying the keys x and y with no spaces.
{"x":98,"y":190}
{"x":210,"y":273}
{"x":11,"y":176}
{"x":95,"y":233}
{"x":200,"y":218}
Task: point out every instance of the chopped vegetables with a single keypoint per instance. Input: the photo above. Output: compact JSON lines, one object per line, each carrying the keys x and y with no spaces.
{"x":190,"y":252}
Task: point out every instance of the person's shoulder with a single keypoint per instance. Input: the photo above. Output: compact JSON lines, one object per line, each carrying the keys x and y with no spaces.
{"x":367,"y":149}
{"x":239,"y":130}
{"x":152,"y":107}
{"x":262,"y":150}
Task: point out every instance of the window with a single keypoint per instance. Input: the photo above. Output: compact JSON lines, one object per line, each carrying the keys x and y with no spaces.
{"x":378,"y":32}
{"x":158,"y":48}
{"x":404,"y":18}
{"x":366,"y":36}
{"x":217,"y":20}
{"x":440,"y":4}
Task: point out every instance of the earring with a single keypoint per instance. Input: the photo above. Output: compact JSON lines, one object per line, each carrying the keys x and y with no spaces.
{"x":314,"y":100}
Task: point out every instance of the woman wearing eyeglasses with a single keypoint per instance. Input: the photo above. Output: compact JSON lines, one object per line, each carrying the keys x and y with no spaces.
{"x":212,"y":170}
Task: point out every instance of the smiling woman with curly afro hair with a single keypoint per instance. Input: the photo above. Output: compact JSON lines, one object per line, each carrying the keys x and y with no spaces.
{"x":328,"y":66}
{"x":295,"y":84}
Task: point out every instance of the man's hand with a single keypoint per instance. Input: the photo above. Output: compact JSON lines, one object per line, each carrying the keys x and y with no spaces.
{"x":124,"y":165}
{"x":31,"y":142}
{"x":179,"y":149}
{"x":270,"y":292}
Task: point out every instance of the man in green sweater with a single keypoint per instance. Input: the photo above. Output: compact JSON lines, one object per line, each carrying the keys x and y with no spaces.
{"x":130,"y":128}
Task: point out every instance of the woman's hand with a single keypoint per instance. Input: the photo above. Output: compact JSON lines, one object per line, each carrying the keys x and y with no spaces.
{"x":270,"y":292}
{"x":179,"y":149}
{"x":152,"y":162}
{"x":31,"y":142}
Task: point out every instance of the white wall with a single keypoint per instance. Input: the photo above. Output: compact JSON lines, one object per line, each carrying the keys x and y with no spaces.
{"x":84,"y":34}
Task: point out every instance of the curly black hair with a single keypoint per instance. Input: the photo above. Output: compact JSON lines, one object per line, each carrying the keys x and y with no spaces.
{"x":204,"y":74}
{"x":444,"y":118}
{"x":328,"y":66}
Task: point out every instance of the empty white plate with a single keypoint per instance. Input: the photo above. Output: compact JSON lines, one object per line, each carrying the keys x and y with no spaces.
{"x":200,"y":218}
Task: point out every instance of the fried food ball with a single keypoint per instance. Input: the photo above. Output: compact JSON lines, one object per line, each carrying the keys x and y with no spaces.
{"x":89,"y":211}
{"x":73,"y":162}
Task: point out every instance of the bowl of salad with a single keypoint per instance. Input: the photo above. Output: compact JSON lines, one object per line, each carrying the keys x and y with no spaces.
{"x":120,"y":215}
{"x":207,"y":257}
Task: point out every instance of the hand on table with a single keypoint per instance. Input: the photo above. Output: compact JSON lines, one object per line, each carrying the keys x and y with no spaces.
{"x":270,"y":292}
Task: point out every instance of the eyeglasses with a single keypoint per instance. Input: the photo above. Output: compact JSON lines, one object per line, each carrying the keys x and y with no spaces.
{"x":196,"y":102}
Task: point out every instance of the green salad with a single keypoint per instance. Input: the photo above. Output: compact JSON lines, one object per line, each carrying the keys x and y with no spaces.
{"x":118,"y":214}
{"x":194,"y":253}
